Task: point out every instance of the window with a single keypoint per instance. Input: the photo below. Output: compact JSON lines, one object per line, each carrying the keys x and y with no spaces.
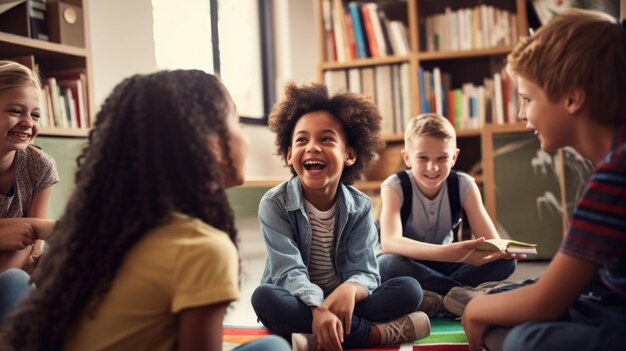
{"x":240,"y":52}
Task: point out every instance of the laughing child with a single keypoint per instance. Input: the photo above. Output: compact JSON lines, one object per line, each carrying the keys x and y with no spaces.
{"x":321,"y":285}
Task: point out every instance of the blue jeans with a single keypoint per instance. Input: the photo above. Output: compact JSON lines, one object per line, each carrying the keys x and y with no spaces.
{"x":270,"y":342}
{"x":589,"y":325}
{"x":14,"y":287}
{"x":440,"y":277}
{"x":283,"y":313}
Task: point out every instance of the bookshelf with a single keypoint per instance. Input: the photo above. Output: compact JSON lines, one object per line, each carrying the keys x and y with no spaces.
{"x":488,"y":145}
{"x":68,"y":63}
{"x":469,"y":64}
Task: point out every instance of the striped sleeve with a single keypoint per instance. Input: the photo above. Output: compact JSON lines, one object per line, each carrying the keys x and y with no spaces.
{"x":597,"y":230}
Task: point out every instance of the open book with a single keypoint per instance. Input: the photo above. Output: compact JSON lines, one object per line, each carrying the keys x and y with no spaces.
{"x":509,"y":246}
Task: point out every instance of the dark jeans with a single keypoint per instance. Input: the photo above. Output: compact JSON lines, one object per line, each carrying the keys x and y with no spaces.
{"x":284,"y":314}
{"x":440,"y":277}
{"x":14,"y":288}
{"x":589,"y":325}
{"x":596,"y":321}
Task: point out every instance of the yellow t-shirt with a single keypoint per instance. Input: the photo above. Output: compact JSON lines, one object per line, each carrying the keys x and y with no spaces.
{"x":182,"y":264}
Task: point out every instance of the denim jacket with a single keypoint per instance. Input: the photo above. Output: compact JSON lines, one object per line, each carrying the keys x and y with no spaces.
{"x":287,"y":234}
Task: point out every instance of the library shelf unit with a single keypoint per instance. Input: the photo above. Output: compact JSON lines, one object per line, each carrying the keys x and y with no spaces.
{"x":469,"y":65}
{"x":478,"y":143}
{"x":51,"y":58}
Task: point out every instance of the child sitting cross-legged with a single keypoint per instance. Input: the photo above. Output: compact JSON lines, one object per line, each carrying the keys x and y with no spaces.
{"x":423,"y":247}
{"x":321,"y":285}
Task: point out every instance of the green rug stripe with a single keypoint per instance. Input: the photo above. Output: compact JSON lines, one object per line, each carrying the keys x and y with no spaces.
{"x":444,"y":331}
{"x":449,"y":338}
{"x":440,"y":324}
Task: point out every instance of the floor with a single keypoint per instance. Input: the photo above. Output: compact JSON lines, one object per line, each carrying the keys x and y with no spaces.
{"x":252,"y":252}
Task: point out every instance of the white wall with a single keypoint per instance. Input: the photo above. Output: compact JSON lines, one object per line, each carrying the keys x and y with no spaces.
{"x":122,"y":44}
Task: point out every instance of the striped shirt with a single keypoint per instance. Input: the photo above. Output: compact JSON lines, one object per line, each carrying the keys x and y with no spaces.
{"x":322,"y":270}
{"x":597,"y":231}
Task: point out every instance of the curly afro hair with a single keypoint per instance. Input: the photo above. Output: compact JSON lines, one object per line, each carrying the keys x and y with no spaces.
{"x":358,"y":114}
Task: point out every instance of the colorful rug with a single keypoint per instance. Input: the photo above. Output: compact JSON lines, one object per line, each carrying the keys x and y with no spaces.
{"x":445,"y":335}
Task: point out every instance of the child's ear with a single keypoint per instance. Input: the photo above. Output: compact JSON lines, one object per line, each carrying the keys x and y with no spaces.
{"x":289,"y":162}
{"x":405,"y":157}
{"x":455,"y":156}
{"x":350,"y":157}
{"x":215,"y":148}
{"x":575,"y":100}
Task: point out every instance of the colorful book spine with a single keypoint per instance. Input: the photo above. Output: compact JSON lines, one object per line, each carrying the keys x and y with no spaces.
{"x":359,"y":33}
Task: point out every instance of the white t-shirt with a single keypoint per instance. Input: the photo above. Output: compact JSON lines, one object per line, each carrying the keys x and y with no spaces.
{"x":430,"y":220}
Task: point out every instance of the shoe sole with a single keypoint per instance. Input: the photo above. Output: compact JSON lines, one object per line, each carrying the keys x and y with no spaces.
{"x":453,"y":306}
{"x":426,"y":322}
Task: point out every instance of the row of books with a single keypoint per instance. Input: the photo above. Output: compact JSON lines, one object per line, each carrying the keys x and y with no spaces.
{"x":64,"y":101}
{"x":480,"y":27}
{"x":472,"y":105}
{"x":361,"y":30}
{"x":387,"y":85}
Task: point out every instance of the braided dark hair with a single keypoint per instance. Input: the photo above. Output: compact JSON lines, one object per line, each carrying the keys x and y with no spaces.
{"x":357,"y":113}
{"x":147,"y":156}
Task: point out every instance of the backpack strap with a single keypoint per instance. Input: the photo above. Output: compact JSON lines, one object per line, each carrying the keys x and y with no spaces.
{"x":455,"y":202}
{"x":407,"y":196}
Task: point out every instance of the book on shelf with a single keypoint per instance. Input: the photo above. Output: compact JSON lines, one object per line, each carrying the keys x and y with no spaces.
{"x":405,"y":92}
{"x":358,"y":30}
{"x":480,"y":27}
{"x":336,"y":80}
{"x":384,"y":97}
{"x":369,"y":32}
{"x":470,"y":105}
{"x":368,"y":82}
{"x":354,"y":80}
{"x":387,"y":85}
{"x":508,"y":246}
{"x":329,"y":35}
{"x":379,"y":38}
{"x":66,"y":100}
{"x":339,"y":30}
{"x":349,"y":37}
{"x":37,"y":19}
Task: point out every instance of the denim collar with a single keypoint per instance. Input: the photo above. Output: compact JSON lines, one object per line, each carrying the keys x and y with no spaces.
{"x":295,"y":196}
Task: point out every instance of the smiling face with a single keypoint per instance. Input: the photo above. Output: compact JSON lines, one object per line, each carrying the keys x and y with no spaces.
{"x":430,"y":160}
{"x":319,"y":152}
{"x":550,"y":120}
{"x":19,"y":119}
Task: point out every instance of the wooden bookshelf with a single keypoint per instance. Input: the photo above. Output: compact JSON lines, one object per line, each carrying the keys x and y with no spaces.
{"x":50,"y":58}
{"x":413,"y":14}
{"x":467,"y":65}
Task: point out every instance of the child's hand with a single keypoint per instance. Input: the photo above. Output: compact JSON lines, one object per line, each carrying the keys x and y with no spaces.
{"x":341,"y":303}
{"x":327,"y":329}
{"x":474,"y":330}
{"x":16,"y":236}
{"x":43,"y":228}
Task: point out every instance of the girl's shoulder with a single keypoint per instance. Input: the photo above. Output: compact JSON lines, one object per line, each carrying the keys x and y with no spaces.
{"x":34,"y":157}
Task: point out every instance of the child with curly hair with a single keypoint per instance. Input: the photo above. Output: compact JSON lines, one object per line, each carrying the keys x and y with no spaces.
{"x":321,"y":285}
{"x":145,"y":256}
{"x":571,"y":77}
